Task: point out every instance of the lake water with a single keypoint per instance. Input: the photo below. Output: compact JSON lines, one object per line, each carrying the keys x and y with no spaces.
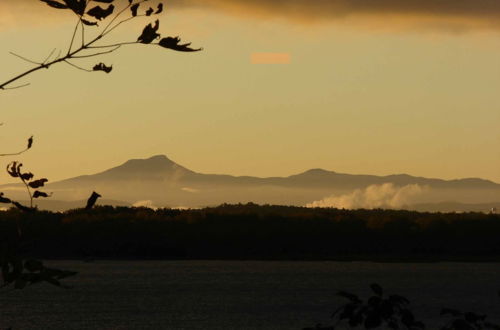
{"x":238,"y":294}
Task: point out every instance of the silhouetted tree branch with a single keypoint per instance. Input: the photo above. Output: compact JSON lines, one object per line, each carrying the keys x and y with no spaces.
{"x":88,"y":17}
{"x":30,"y":143}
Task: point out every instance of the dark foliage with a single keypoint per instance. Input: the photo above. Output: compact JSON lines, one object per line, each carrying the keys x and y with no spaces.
{"x":393,"y":312}
{"x":466,"y":321}
{"x":261,"y":232}
{"x":389,"y":312}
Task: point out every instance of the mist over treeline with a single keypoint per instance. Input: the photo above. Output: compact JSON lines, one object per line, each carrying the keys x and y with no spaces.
{"x":250,"y":231}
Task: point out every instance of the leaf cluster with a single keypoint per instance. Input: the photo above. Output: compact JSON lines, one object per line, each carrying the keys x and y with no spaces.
{"x":22,"y":273}
{"x":391,"y":312}
{"x":14,"y":169}
{"x":79,"y":7}
{"x":466,"y":320}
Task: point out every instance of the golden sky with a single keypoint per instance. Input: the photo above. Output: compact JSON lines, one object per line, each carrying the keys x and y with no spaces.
{"x":396,"y":87}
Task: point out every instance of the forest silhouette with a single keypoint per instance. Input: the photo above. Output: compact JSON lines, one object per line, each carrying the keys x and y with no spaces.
{"x":250,"y":231}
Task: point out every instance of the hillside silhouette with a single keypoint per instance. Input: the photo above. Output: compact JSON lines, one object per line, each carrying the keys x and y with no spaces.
{"x":161,"y":182}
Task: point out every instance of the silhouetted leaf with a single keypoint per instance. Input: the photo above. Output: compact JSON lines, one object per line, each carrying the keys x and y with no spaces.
{"x":92,"y":199}
{"x":38,"y":194}
{"x":100,"y":13}
{"x":55,"y":4}
{"x":26,"y":176}
{"x":104,"y":1}
{"x":89,"y":23}
{"x":377,"y":289}
{"x":78,"y":6}
{"x":149,"y":33}
{"x":30,"y":142}
{"x":38,"y":183}
{"x":173,"y":43}
{"x":134,"y":9}
{"x":150,"y":11}
{"x":159,"y":9}
{"x":103,"y":67}
{"x":13,"y":169}
{"x":4,"y":200}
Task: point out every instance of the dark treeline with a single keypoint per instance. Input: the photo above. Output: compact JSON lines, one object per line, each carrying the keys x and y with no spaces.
{"x":257,"y":232}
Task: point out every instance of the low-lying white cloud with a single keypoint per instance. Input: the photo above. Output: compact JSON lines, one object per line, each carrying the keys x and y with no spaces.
{"x":386,"y":195}
{"x":145,"y":203}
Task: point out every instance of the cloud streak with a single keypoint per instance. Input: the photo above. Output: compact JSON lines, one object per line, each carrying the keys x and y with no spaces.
{"x":433,"y":14}
{"x":386,"y":195}
{"x":343,"y":8}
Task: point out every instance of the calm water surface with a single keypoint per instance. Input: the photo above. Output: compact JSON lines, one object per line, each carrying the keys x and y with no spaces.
{"x":238,"y":294}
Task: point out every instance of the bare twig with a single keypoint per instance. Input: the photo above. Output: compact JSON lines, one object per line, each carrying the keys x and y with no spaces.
{"x":28,"y":190}
{"x":77,"y":67}
{"x":73,"y":36}
{"x":115,"y":45}
{"x":48,"y":57}
{"x":97,"y":54}
{"x":16,"y":87}
{"x":15,"y":153}
{"x":116,"y":16}
{"x":24,"y":58}
{"x":120,"y":23}
{"x":83,"y":32}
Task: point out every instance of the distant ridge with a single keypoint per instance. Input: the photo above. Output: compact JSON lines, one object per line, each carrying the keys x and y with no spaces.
{"x":159,"y":181}
{"x":162,"y":165}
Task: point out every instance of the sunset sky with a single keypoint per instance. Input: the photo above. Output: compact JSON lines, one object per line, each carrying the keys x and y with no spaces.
{"x":372,"y":87}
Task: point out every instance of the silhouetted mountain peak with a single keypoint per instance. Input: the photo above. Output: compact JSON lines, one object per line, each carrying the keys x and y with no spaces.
{"x":155,"y":162}
{"x":314,"y":172}
{"x":159,"y":165}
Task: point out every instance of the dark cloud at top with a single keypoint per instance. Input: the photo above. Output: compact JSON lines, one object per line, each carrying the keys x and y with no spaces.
{"x":473,"y":8}
{"x":486,"y":12}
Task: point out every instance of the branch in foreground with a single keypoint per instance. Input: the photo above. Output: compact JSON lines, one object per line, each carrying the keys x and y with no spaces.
{"x":91,"y":18}
{"x":28,"y":147}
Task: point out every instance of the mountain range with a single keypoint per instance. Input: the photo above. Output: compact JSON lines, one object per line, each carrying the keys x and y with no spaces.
{"x":160,"y":182}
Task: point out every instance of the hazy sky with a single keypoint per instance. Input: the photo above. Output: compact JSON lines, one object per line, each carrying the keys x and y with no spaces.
{"x":379,"y":87}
